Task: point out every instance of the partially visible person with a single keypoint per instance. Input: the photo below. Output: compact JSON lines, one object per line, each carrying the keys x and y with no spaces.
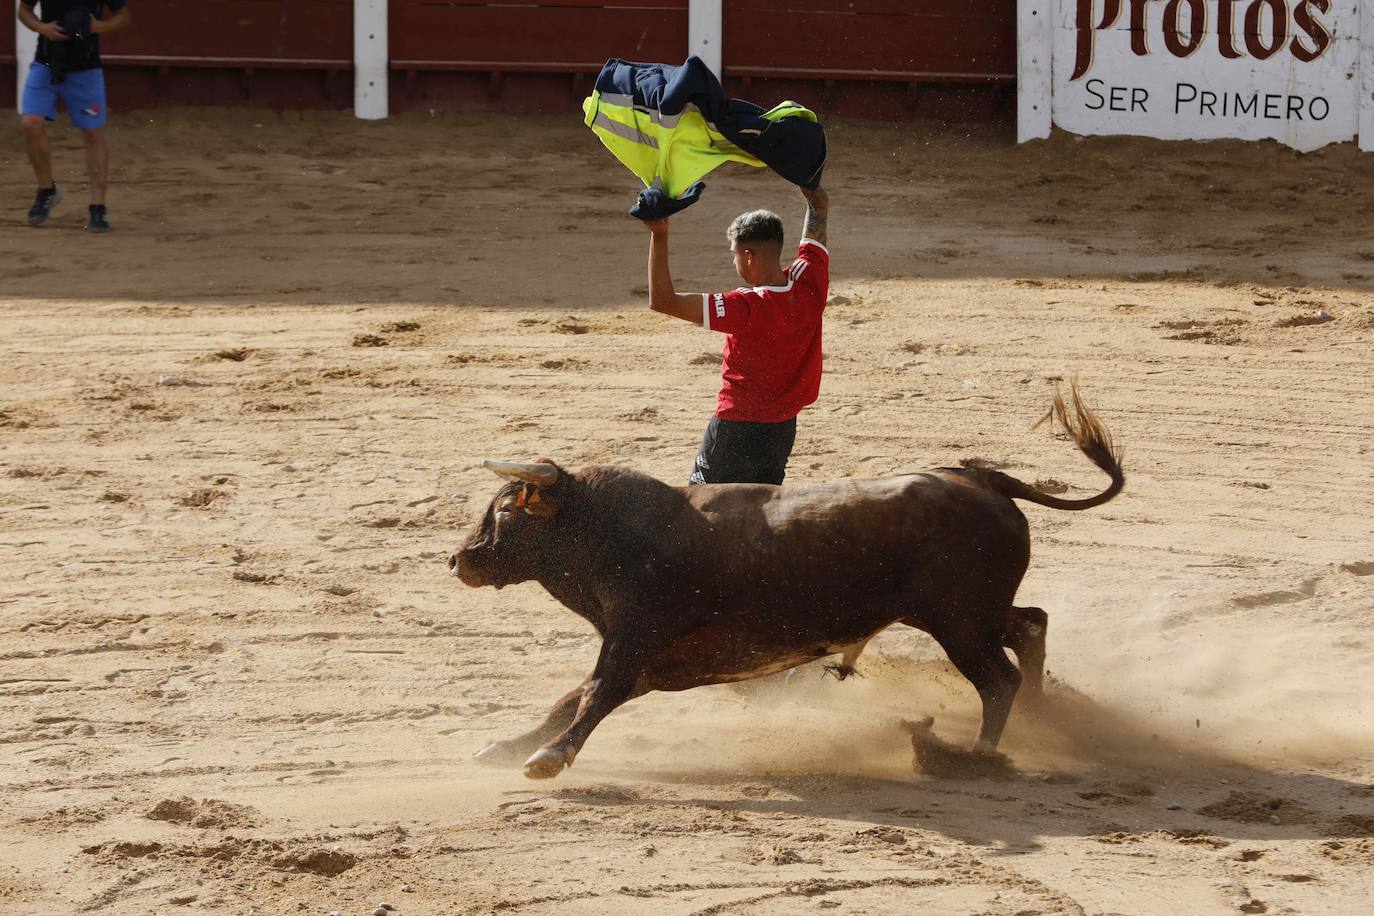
{"x":67,"y":67}
{"x":771,"y":365}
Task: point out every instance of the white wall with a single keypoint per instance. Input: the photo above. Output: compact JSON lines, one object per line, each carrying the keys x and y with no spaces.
{"x":1367,"y":77}
{"x":1034,"y":51}
{"x":371,"y":52}
{"x":25,"y":45}
{"x":705,"y":33}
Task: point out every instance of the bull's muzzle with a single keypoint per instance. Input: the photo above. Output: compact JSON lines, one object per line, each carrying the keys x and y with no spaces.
{"x":470,"y":573}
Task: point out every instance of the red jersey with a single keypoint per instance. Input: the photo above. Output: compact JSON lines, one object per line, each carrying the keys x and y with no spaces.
{"x":772,"y":359}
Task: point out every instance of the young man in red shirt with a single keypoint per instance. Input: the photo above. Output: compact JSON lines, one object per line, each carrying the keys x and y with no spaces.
{"x":771,"y":366}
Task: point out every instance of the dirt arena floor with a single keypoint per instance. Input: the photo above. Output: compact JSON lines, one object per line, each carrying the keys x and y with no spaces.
{"x":239,"y":435}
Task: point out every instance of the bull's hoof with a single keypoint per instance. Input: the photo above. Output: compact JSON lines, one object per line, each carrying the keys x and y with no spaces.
{"x":934,"y":757}
{"x":499,"y":754}
{"x":545,"y":763}
{"x":840,"y":672}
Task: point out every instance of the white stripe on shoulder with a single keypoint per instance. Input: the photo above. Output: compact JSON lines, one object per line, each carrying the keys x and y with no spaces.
{"x":816,"y":243}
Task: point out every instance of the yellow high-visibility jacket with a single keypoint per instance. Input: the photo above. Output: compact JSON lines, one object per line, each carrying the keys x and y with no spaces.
{"x":675,"y":125}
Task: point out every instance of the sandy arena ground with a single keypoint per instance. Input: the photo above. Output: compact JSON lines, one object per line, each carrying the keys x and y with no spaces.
{"x":239,"y":435}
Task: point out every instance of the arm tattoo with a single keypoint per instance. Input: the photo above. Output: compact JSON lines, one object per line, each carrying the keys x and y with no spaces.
{"x":814,"y":228}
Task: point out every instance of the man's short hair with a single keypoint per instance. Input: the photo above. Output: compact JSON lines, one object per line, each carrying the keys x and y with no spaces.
{"x":756,"y":226}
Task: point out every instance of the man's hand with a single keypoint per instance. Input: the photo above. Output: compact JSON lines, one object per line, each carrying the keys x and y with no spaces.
{"x":817,"y":209}
{"x":49,"y":30}
{"x":658,"y":227}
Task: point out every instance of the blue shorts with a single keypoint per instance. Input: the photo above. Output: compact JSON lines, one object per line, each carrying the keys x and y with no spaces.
{"x":82,"y":91}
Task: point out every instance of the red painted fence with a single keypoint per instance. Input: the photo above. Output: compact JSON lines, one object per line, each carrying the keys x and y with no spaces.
{"x":476,"y":54}
{"x":973,"y":40}
{"x":885,"y":58}
{"x":7,"y":27}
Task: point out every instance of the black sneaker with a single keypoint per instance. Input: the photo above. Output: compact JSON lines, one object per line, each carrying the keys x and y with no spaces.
{"x":97,"y":222}
{"x":42,"y":204}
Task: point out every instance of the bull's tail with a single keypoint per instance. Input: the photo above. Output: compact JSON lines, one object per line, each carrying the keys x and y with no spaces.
{"x":1092,"y":438}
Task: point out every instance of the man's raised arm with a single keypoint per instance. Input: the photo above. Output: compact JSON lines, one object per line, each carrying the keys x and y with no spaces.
{"x":662,"y":297}
{"x":817,"y":207}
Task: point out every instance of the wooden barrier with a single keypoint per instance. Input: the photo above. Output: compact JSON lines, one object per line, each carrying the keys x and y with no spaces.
{"x":562,"y":36}
{"x":293,"y":34}
{"x":287,"y":53}
{"x":477,"y":55}
{"x":883,"y":40}
{"x":868,"y":57}
{"x":8,"y":62}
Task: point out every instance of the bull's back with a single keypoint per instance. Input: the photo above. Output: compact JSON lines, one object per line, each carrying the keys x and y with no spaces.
{"x":847,"y":539}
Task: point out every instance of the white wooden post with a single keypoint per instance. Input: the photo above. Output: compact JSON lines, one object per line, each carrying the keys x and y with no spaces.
{"x":371,"y":53}
{"x":705,"y":33}
{"x":1367,"y":76}
{"x":1034,"y":73}
{"x":25,"y":46}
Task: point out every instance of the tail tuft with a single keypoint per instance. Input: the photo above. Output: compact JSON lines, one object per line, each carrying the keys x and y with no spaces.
{"x":1087,"y":431}
{"x":1092,"y":438}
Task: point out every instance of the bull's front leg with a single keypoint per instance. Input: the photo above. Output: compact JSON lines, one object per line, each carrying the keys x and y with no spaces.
{"x":514,"y":750}
{"x":612,"y":683}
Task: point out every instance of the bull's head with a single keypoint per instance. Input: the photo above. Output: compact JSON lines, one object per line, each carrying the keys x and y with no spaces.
{"x":511,"y":541}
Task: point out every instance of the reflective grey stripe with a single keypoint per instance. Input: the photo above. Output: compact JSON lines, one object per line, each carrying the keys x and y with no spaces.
{"x":662,"y":120}
{"x":658,"y":117}
{"x":625,"y":131}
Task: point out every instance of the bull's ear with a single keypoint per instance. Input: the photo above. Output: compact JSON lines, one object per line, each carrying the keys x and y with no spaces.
{"x":535,"y":502}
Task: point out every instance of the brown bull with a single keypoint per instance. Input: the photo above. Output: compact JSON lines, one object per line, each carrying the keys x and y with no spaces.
{"x":723,"y":582}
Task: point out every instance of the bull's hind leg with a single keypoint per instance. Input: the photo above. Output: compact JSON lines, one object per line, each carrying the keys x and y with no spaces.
{"x":985,"y":664}
{"x":515,"y":750}
{"x":1025,"y":635}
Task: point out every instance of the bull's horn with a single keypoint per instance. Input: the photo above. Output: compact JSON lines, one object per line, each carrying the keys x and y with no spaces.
{"x":539,"y":474}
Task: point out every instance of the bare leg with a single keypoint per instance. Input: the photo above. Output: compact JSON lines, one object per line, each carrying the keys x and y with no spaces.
{"x":36,"y":144}
{"x":611,"y":684}
{"x":97,"y":163}
{"x":1025,"y":635}
{"x":514,"y":750}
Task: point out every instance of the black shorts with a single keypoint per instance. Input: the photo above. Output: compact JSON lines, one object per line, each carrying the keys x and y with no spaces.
{"x":733,"y":451}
